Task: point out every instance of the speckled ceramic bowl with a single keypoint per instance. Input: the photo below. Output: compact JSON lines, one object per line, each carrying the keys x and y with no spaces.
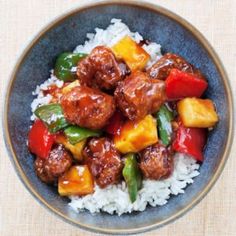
{"x":156,"y":24}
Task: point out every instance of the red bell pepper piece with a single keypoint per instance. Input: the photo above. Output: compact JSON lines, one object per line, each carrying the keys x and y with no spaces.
{"x":190,"y":141}
{"x":40,"y":140}
{"x":115,"y":123}
{"x":181,"y":84}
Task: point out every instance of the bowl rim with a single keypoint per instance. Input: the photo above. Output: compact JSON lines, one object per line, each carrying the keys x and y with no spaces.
{"x":217,"y":62}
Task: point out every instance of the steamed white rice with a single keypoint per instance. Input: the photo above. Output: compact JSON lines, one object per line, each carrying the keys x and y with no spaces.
{"x":115,"y":198}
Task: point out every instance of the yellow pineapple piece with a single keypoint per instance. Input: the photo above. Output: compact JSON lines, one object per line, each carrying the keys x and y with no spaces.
{"x":70,"y":86}
{"x":75,"y":149}
{"x":132,"y":53}
{"x":76,"y":181}
{"x":196,"y":112}
{"x":135,"y":136}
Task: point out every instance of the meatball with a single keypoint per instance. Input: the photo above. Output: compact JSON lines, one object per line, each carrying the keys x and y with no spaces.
{"x":39,"y":165}
{"x":161,"y":69}
{"x":104,"y":161}
{"x":138,"y":95}
{"x":58,"y":162}
{"x":100,"y":69}
{"x":87,"y":107}
{"x":156,"y":162}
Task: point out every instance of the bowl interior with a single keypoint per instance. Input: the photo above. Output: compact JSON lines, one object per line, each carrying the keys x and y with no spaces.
{"x":64,"y":36}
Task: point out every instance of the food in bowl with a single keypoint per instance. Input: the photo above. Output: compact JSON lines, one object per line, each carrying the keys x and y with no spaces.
{"x":118,"y":125}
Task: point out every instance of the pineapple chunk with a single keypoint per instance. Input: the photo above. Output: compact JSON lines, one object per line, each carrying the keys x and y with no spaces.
{"x":133,"y":54}
{"x":135,"y":136}
{"x":198,"y":113}
{"x":70,"y":86}
{"x":76,"y":149}
{"x":76,"y":181}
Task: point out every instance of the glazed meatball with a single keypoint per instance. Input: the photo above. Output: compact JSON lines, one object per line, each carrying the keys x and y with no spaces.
{"x":161,"y":69}
{"x":39,"y":165}
{"x":104,"y":161}
{"x":100,"y":69}
{"x":156,"y":162}
{"x":87,"y":107}
{"x":58,"y":162}
{"x":138,"y":95}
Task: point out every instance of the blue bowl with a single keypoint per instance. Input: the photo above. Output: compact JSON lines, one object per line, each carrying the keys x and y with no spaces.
{"x":156,"y":24}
